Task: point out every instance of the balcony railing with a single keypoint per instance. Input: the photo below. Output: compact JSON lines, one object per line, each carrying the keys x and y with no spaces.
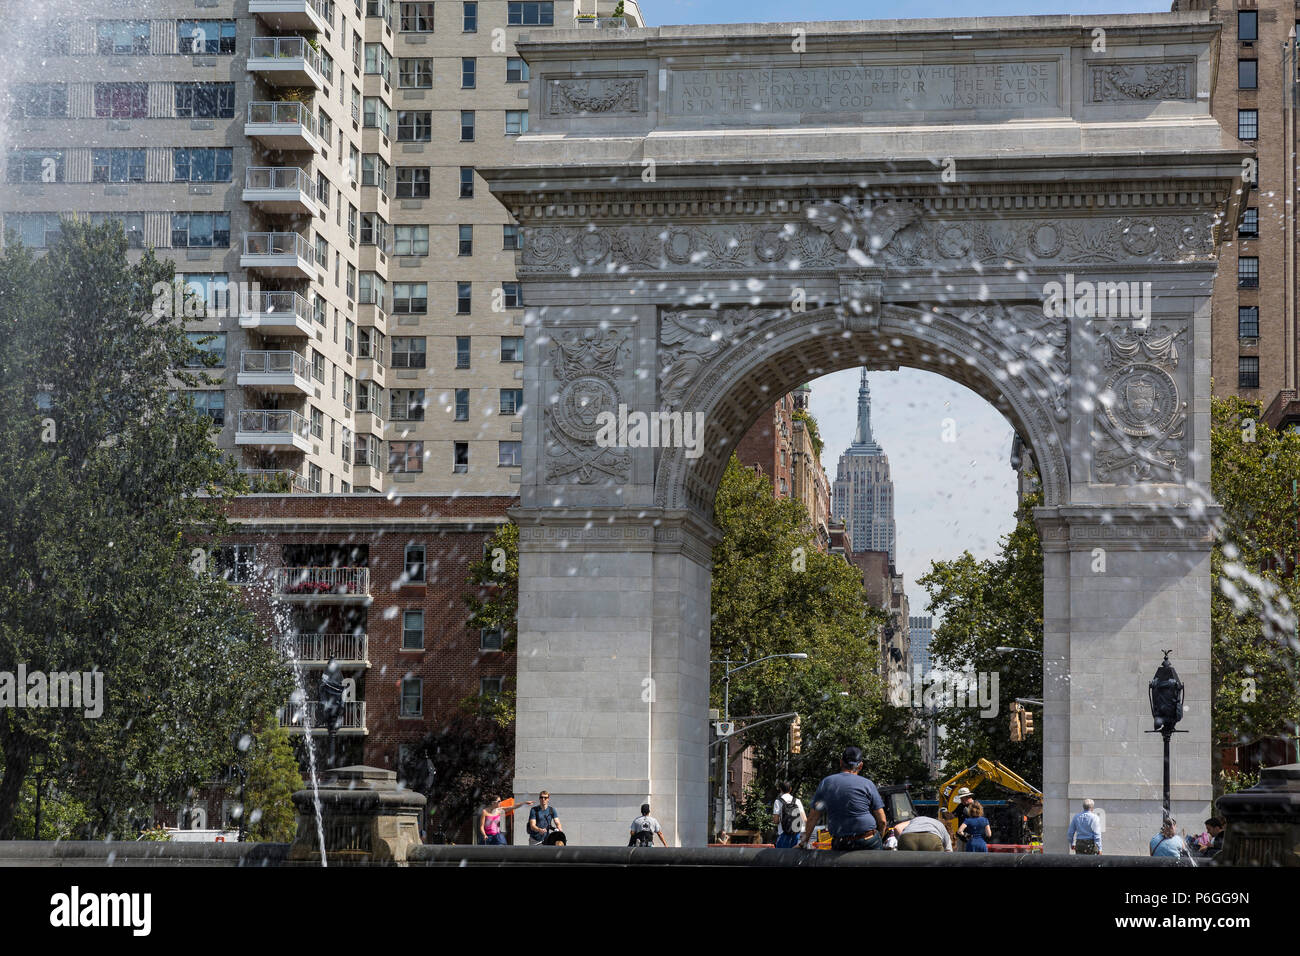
{"x":297,"y":716}
{"x":600,"y":23}
{"x":277,"y":244}
{"x":274,"y":422}
{"x":275,"y":481}
{"x":282,"y":303}
{"x":284,"y":48}
{"x":281,"y":112}
{"x":278,"y":177}
{"x":274,"y":362}
{"x":313,"y":581}
{"x":319,"y":649}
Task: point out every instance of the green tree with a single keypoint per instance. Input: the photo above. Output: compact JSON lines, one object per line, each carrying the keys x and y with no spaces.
{"x":984,"y":605}
{"x":1255,"y":657}
{"x":495,"y":605}
{"x":457,"y":765}
{"x":775,"y":593}
{"x":106,"y":484}
{"x":273,"y":776}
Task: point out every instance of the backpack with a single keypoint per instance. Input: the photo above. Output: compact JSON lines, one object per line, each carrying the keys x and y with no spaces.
{"x":789,"y":815}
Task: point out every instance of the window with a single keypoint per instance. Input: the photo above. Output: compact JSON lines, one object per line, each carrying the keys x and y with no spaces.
{"x":36,"y":229}
{"x":322,"y":259}
{"x":463,"y":297}
{"x":489,"y":639}
{"x":313,"y":478}
{"x":347,"y":403}
{"x":205,"y":100}
{"x":413,"y":631}
{"x":370,"y":344}
{"x":210,"y":288}
{"x":200,"y":230}
{"x":351,"y":290}
{"x":1247,"y":74}
{"x":412,"y":241}
{"x":510,"y":455}
{"x":211,"y":404}
{"x":406,"y":404}
{"x":412,"y":687}
{"x":1249,"y":224}
{"x":516,"y":122}
{"x":317,"y":423}
{"x":512,"y":400}
{"x":467,"y":182}
{"x":1248,"y":371}
{"x":122,"y":100}
{"x":35,"y":166}
{"x":380,"y":8}
{"x":460,"y":457}
{"x":511,"y":238}
{"x":208,"y":343}
{"x":379,"y":61}
{"x":530,"y":14}
{"x":57,"y":39}
{"x":465,"y":246}
{"x":411,"y":298}
{"x":468,"y":72}
{"x":122,"y":37}
{"x":132,"y":224}
{"x":408,"y":350}
{"x":374,"y":171}
{"x":1248,"y":322}
{"x":415,"y":73}
{"x":325,"y":127}
{"x":318,"y":366}
{"x":512,"y":348}
{"x":511,"y":295}
{"x":1247,"y":124}
{"x":469,"y":17}
{"x":416,"y":17}
{"x":196,"y":165}
{"x":372,"y":291}
{"x":236,"y":563}
{"x":412,"y":182}
{"x":205,"y":36}
{"x":467,"y":126}
{"x":414,"y":126}
{"x":405,"y":456}
{"x":374,"y":229}
{"x":376,"y":115}
{"x":38,"y":100}
{"x":462,"y":351}
{"x":516,"y":70}
{"x":415,"y":564}
{"x":490,"y":686}
{"x":1247,"y":26}
{"x":1248,"y":272}
{"x":462,"y":405}
{"x":117,"y":165}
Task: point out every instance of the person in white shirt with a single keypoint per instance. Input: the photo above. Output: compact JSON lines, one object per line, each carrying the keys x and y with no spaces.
{"x":788,"y":818}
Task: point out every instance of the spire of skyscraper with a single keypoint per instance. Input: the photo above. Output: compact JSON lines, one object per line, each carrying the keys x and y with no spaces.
{"x":863,"y":443}
{"x":863,"y":490}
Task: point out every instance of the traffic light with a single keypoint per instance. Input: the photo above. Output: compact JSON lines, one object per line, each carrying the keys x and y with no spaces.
{"x":1028,"y":721}
{"x":796,"y":735}
{"x":1017,"y":733}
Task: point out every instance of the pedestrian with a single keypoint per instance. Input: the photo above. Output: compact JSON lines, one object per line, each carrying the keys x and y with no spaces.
{"x":959,"y":814}
{"x":976,"y":829}
{"x":644,"y":829}
{"x":544,"y":826}
{"x":1085,"y":831}
{"x":788,"y":817}
{"x":849,"y":802}
{"x":1214,"y":831}
{"x":490,"y":820}
{"x":923,"y":833}
{"x":1168,"y":843}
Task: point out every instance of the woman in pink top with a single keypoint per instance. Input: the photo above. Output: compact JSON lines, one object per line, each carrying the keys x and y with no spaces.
{"x":490,"y":819}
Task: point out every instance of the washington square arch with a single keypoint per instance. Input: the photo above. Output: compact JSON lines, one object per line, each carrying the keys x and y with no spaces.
{"x":714,"y":215}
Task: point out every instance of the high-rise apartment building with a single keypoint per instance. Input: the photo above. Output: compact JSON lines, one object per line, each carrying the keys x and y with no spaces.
{"x":309,"y":166}
{"x":863,"y":490}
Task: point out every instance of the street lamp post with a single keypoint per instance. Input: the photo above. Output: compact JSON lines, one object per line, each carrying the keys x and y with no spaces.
{"x":727,"y":671}
{"x":1166,"y":695}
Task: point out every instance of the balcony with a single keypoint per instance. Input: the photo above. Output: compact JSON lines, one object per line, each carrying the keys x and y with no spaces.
{"x":282,"y":124}
{"x":275,"y":372}
{"x":275,"y":481}
{"x":323,"y":585}
{"x":291,"y":14}
{"x":599,"y":14}
{"x":280,"y":429}
{"x":278,"y":254}
{"x":279,"y":313}
{"x":317,"y":650}
{"x":286,"y":61}
{"x":295,"y":718}
{"x":369,"y":420}
{"x":282,"y":189}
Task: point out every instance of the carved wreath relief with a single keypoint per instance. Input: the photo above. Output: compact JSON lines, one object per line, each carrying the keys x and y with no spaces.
{"x":587,"y":365}
{"x":1142,"y":418}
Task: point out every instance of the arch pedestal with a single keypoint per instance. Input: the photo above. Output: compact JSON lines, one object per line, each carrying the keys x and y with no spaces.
{"x":702,"y":263}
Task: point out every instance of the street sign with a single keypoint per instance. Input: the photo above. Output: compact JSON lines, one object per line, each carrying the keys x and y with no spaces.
{"x":726,"y":728}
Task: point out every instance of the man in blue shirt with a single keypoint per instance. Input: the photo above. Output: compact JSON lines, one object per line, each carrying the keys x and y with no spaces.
{"x":855,"y":813}
{"x":1085,"y":831}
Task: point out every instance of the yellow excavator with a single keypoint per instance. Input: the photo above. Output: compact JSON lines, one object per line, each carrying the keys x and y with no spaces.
{"x":1027,"y":803}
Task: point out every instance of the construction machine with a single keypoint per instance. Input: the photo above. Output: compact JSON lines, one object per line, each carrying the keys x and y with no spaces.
{"x":1026,"y":804}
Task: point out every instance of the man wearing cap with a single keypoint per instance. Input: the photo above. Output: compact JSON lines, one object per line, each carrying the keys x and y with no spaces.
{"x":964,"y":799}
{"x":855,"y":813}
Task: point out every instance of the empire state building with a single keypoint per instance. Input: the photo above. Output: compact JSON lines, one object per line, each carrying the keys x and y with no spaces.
{"x":864,"y":492}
